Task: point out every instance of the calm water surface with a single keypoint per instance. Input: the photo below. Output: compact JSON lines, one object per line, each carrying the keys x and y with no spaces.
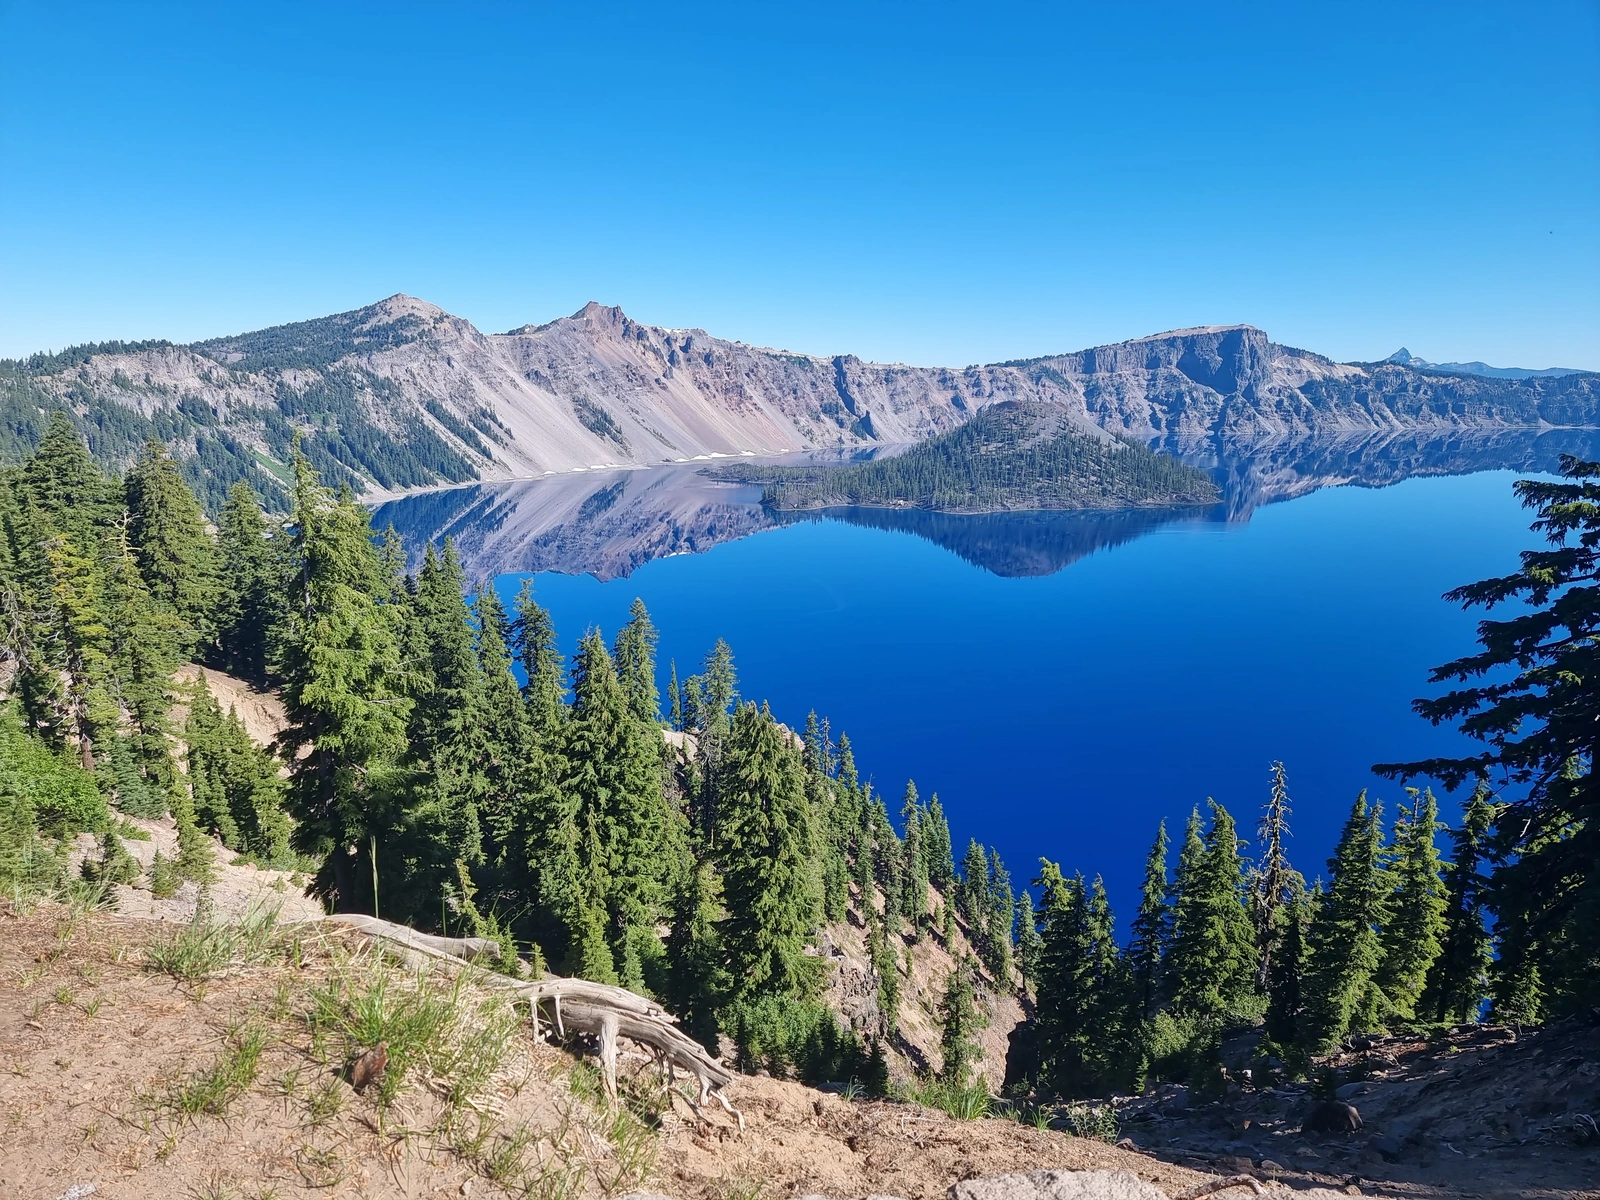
{"x":1065,"y":714}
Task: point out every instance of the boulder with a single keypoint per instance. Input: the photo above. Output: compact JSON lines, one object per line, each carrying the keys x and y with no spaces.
{"x":1331,"y":1116}
{"x":1058,"y":1185}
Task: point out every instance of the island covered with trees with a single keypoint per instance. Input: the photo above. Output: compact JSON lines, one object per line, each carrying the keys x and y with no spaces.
{"x":1010,"y":456}
{"x":443,"y":765}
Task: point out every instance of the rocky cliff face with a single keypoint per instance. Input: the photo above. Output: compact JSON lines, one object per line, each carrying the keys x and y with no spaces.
{"x":402,"y":394}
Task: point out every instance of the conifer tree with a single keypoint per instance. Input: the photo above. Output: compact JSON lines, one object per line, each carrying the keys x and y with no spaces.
{"x":713,"y":693}
{"x":78,"y":644}
{"x":959,"y":1022}
{"x":447,"y":739}
{"x":972,"y":892}
{"x":1458,"y":979}
{"x":886,"y":970}
{"x":167,"y":530}
{"x":888,"y":864}
{"x":1344,"y":951}
{"x":937,"y":848}
{"x":235,"y":788}
{"x":1029,"y":945}
{"x":511,"y":767}
{"x":1285,"y":984}
{"x":62,"y":489}
{"x":340,"y":660}
{"x":247,"y":594}
{"x":675,"y":698}
{"x":1411,"y":936}
{"x":144,"y":642}
{"x":635,"y":656}
{"x":1082,"y":1039}
{"x":1152,"y":928}
{"x":1529,"y":695}
{"x":766,"y":840}
{"x":995,"y":945}
{"x":613,"y":780}
{"x":697,"y":978}
{"x":1274,"y":880}
{"x":914,"y":896}
{"x":533,"y":640}
{"x":1212,"y":961}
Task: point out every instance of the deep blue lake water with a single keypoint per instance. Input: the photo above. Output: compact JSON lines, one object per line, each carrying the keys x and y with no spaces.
{"x":1063,"y":715}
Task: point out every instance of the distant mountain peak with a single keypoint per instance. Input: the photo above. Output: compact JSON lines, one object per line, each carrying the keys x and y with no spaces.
{"x":1404,"y":358}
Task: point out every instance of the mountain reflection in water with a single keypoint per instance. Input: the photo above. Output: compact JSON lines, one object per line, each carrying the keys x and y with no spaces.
{"x":610,"y":523}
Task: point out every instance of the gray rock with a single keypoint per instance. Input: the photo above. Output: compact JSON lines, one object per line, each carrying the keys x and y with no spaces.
{"x":1331,"y":1116}
{"x":1347,"y":1090}
{"x":1058,"y":1185}
{"x":1387,"y":1146}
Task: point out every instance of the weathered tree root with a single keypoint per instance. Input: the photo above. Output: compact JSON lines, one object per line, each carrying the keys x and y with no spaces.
{"x":1221,"y":1185}
{"x":606,"y":1012}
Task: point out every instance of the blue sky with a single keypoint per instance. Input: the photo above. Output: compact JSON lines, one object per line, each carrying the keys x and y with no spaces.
{"x":915,"y":182}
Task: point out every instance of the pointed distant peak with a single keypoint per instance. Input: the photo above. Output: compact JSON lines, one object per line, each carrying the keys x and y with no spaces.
{"x":1402,"y":356}
{"x":600,"y":314}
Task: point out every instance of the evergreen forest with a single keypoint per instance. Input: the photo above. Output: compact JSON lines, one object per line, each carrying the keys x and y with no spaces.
{"x":444,"y":765}
{"x":1011,"y":455}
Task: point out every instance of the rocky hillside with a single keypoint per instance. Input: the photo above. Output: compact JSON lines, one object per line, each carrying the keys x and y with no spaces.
{"x":401,"y":395}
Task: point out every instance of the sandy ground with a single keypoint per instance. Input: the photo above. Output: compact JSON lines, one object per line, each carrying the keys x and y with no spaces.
{"x":95,"y":1046}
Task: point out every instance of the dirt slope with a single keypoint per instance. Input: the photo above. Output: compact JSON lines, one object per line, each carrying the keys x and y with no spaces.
{"x":118,"y":1074}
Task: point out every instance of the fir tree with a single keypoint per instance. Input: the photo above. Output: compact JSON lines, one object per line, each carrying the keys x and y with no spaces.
{"x":64,"y":491}
{"x":1285,"y":984}
{"x":766,"y":840}
{"x":1029,"y":945}
{"x":937,"y":849}
{"x":1082,"y":1040}
{"x":340,"y":659}
{"x":697,"y":979}
{"x":1212,"y":961}
{"x":510,"y":766}
{"x":613,"y":779}
{"x":1344,"y":951}
{"x":675,"y":698}
{"x":1530,"y":697}
{"x":635,"y":656}
{"x":995,"y":945}
{"x":144,"y":642}
{"x":959,"y":1022}
{"x":1458,"y":979}
{"x":247,"y":585}
{"x":167,"y":530}
{"x":533,"y":640}
{"x":78,"y":642}
{"x":1411,"y":936}
{"x":235,"y":787}
{"x":914,"y":896}
{"x":1152,"y":928}
{"x":972,"y":892}
{"x":1274,"y":880}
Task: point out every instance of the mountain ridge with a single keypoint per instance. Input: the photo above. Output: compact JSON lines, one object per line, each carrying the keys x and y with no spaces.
{"x":401,"y":395}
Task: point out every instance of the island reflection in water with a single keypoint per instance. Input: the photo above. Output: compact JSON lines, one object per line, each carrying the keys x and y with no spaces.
{"x":610,"y":523}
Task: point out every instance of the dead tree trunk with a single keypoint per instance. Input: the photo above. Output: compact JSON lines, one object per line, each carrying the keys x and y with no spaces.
{"x":601,"y":1010}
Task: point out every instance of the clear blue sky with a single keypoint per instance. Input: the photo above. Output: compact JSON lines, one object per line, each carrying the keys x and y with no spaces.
{"x":916,"y":182}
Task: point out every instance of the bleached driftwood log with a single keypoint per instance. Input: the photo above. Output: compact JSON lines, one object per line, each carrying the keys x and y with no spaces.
{"x":598,"y":1009}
